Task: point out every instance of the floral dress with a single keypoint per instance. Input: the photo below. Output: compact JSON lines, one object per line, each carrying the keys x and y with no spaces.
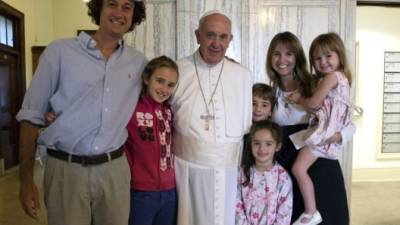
{"x":334,"y":114}
{"x":266,"y":200}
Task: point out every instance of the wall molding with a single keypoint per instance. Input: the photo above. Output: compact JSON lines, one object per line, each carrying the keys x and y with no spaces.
{"x":280,"y":3}
{"x":387,"y":3}
{"x":376,"y":174}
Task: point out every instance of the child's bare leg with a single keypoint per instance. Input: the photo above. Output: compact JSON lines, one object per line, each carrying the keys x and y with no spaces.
{"x":304,"y":160}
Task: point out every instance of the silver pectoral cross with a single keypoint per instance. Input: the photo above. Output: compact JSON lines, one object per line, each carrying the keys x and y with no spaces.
{"x":207,"y":118}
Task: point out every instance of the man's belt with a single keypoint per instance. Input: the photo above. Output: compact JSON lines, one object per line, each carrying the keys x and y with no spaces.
{"x":86,"y":160}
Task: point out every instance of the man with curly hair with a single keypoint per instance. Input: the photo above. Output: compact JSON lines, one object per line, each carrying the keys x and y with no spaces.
{"x":92,"y":84}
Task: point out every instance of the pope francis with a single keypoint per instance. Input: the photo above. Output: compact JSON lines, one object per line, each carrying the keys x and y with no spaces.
{"x":212,"y":109}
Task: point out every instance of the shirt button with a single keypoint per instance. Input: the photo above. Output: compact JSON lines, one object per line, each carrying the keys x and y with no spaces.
{"x":107,"y":89}
{"x":96,"y":148}
{"x":106,"y":109}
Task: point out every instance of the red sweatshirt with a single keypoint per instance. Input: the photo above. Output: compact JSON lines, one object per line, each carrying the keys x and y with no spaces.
{"x":149,"y":146}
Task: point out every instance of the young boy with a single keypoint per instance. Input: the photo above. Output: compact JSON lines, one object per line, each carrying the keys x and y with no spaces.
{"x":263,"y":103}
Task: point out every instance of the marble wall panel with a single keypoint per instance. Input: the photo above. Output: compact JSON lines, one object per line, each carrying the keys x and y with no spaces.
{"x":306,"y":19}
{"x":157,"y":34}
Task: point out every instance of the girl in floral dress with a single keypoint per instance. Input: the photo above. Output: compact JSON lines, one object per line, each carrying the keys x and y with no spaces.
{"x":264,"y":194}
{"x":331,"y":111}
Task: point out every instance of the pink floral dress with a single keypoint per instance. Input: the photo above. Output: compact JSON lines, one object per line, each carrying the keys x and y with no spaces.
{"x":335,"y":113}
{"x":266,"y":200}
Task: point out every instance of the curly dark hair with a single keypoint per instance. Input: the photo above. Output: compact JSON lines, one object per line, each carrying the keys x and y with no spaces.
{"x":248,"y":158}
{"x":139,"y":12}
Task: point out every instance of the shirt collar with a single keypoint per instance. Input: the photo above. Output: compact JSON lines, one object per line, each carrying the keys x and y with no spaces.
{"x":89,"y":43}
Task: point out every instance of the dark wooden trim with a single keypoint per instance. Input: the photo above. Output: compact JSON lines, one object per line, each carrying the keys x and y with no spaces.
{"x":19,"y":48}
{"x":38,"y":49}
{"x":9,"y":50}
{"x":379,"y":3}
{"x":9,"y":10}
{"x":22,"y":64}
{"x":36,"y":52}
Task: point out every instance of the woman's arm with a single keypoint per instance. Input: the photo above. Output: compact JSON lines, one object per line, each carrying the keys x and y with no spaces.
{"x":344,"y":135}
{"x":327,"y":83}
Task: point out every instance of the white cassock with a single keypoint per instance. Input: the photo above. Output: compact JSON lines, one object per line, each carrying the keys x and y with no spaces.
{"x":206,"y":161}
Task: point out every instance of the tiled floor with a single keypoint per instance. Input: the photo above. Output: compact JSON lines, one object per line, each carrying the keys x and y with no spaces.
{"x":11,"y":212}
{"x":371,"y":203}
{"x":375,"y":203}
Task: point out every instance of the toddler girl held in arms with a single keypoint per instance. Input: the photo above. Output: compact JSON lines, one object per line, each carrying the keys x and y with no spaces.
{"x":331,"y":111}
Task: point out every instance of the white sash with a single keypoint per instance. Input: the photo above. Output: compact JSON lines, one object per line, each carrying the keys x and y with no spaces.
{"x":218,"y":155}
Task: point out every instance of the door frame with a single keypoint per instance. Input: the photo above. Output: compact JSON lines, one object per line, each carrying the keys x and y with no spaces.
{"x":17,"y":51}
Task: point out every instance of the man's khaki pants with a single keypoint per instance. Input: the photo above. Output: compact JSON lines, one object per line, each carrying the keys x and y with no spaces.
{"x":87,"y":195}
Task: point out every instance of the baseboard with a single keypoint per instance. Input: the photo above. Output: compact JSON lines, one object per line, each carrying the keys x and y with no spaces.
{"x":376,"y":174}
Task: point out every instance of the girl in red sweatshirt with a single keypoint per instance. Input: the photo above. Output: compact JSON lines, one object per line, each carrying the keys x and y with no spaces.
{"x":149,"y":147}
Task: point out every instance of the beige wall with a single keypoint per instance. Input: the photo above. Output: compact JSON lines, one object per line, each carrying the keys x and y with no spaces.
{"x":47,"y":20}
{"x":378,"y":30}
{"x":70,"y":16}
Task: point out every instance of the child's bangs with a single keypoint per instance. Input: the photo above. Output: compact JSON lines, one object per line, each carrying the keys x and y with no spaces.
{"x":324,"y":47}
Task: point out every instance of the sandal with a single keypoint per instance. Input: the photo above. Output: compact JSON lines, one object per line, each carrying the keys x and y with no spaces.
{"x":313,"y":219}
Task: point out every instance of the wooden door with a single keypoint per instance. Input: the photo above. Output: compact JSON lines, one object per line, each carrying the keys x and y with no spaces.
{"x":8,"y":110}
{"x":36,"y":52}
